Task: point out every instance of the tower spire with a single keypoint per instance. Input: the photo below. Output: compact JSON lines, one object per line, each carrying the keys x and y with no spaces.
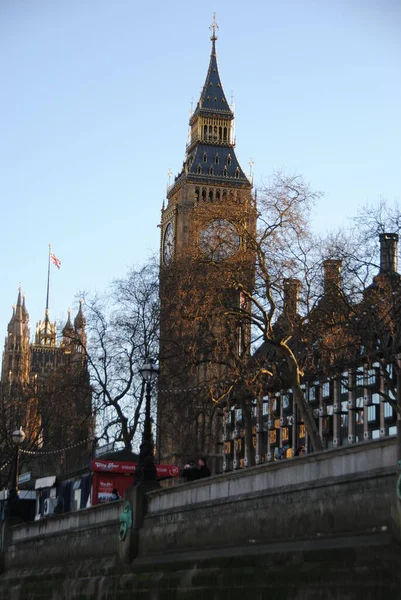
{"x":214,"y":27}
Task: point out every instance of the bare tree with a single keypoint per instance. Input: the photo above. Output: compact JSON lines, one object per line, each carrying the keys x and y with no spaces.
{"x":240,"y":322}
{"x":122,"y":330}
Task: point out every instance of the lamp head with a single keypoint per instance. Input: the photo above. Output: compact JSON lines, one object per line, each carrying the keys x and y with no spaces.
{"x":18,"y":436}
{"x":149,"y":370}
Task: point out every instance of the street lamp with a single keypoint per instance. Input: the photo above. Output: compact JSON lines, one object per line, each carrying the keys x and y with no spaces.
{"x":18,"y":437}
{"x":146,"y":468}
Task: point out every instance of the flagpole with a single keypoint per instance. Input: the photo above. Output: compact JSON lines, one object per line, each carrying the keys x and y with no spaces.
{"x":47,"y":295}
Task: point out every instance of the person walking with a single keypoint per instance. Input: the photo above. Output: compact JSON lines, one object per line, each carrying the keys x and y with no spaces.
{"x":204,"y":470}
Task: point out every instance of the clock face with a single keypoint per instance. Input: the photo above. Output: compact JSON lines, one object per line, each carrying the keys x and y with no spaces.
{"x":168,"y":244}
{"x":219,"y":239}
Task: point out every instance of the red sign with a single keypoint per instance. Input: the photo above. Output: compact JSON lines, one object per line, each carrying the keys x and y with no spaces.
{"x":114,"y":466}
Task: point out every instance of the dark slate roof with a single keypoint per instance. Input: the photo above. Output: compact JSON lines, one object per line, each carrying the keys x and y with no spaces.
{"x":206,"y":161}
{"x":212,"y":99}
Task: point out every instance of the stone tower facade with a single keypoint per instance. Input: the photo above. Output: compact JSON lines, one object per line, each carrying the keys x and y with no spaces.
{"x":45,"y":386}
{"x":208,"y":203}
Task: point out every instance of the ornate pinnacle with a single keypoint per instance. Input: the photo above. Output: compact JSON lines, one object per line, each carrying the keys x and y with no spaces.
{"x":213,"y":27}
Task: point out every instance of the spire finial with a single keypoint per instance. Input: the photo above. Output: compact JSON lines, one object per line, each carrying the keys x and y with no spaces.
{"x":251,"y":163}
{"x":213,"y":27}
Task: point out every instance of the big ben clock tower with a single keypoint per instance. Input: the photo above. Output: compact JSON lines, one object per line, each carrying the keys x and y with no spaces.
{"x":208,"y":204}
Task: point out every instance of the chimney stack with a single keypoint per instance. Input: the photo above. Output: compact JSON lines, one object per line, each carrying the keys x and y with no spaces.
{"x":332,"y":276}
{"x":291,"y":290}
{"x":388,"y":252}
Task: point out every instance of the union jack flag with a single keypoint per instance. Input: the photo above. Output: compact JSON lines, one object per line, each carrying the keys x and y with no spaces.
{"x":55,"y":260}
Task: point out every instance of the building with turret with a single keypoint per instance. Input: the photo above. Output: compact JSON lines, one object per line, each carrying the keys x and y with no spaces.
{"x":45,"y":389}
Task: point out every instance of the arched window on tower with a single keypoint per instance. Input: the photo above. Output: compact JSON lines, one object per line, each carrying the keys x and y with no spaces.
{"x":211,"y":195}
{"x":229,"y":159}
{"x":205,"y":132}
{"x":237,"y":172}
{"x":203,"y":193}
{"x":225,"y":134}
{"x":204,"y":157}
{"x":224,"y":194}
{"x":199,"y":170}
{"x":220,"y":133}
{"x":225,"y":171}
{"x":215,"y":134}
{"x":217,"y":195}
{"x":216,"y":159}
{"x":196,"y":194}
{"x":210,"y":132}
{"x":211,"y":171}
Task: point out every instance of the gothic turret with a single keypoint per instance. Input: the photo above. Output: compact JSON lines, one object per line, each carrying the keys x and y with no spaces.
{"x":16,"y":348}
{"x":68,"y":330}
{"x":79,"y":321}
{"x":46,"y":332}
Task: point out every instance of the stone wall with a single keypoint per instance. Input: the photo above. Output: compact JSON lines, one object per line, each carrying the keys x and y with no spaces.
{"x":91,"y":533}
{"x":337,"y":492}
{"x":321,"y":527}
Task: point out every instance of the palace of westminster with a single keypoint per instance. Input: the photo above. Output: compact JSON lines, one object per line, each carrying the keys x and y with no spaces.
{"x":207,"y":204}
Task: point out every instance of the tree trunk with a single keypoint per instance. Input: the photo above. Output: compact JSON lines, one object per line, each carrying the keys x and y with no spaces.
{"x":247,"y":412}
{"x":299,"y":398}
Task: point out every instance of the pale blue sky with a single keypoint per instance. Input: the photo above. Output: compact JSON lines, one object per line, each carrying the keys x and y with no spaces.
{"x":94,"y":110}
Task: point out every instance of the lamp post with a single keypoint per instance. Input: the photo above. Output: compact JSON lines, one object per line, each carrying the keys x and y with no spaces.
{"x":18,"y":437}
{"x":146,"y":468}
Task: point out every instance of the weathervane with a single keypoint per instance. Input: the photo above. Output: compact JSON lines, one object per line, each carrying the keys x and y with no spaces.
{"x":214,"y":27}
{"x":169,"y":176}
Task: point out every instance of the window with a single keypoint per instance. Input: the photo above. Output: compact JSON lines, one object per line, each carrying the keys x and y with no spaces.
{"x":312,"y":393}
{"x":211,"y":171}
{"x":204,"y":157}
{"x":238,"y":445}
{"x":388,"y":411}
{"x":229,"y":159}
{"x":359,"y":377}
{"x":199,"y":170}
{"x":265,"y":408}
{"x":286,"y":401}
{"x":216,"y":159}
{"x":371,"y":413}
{"x":238,"y":414}
{"x":326,"y":389}
{"x":359,"y":402}
{"x":371,"y":376}
{"x":225,"y":172}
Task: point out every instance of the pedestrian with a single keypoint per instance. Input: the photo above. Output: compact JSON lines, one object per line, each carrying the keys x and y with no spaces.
{"x":203,"y":469}
{"x":190,"y":472}
{"x":115,"y":495}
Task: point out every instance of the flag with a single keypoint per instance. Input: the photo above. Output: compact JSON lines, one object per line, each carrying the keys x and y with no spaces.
{"x":55,"y":260}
